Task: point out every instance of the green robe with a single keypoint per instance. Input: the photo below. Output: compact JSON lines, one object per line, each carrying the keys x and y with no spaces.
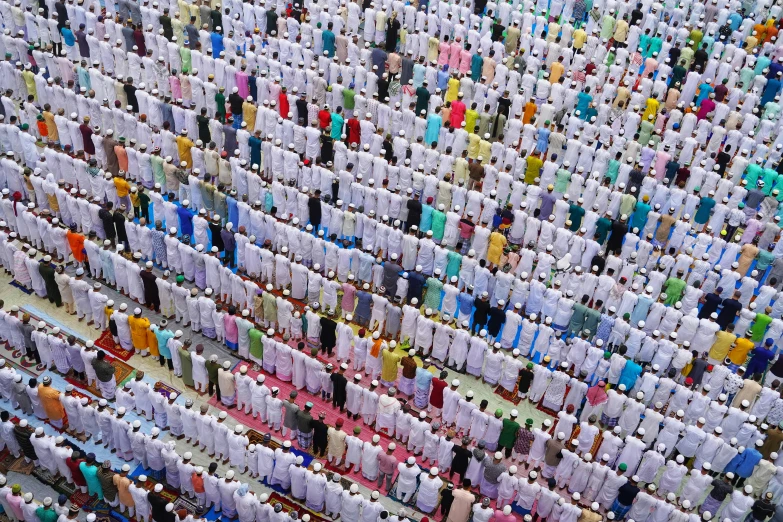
{"x":602,"y":227}
{"x":760,"y":327}
{"x":46,"y":514}
{"x":575,"y":214}
{"x":187,"y":367}
{"x":592,"y":317}
{"x":256,"y":346}
{"x":438,"y":224}
{"x":577,"y":319}
{"x":434,"y":290}
{"x":508,"y":434}
{"x":453,"y":264}
{"x":673,"y":288}
{"x":220,"y":100}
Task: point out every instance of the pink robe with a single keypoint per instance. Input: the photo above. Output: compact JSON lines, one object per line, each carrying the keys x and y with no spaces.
{"x":230,"y":329}
{"x":241,"y":81}
{"x":457,"y":114}
{"x":443,"y":54}
{"x":707,"y":106}
{"x":176,"y":88}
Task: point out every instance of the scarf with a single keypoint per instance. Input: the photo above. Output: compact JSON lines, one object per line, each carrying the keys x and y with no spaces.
{"x":376,"y":348}
{"x":597,"y":394}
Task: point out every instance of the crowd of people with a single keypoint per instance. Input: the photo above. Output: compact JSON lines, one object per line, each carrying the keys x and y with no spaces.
{"x":575,"y":203}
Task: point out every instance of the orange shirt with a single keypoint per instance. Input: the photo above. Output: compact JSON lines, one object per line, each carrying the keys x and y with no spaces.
{"x":76,"y":242}
{"x":761,"y":30}
{"x":152,"y":343}
{"x":770,"y":32}
{"x":198,"y":483}
{"x":122,"y":158}
{"x":529,"y":112}
{"x":50,"y":400}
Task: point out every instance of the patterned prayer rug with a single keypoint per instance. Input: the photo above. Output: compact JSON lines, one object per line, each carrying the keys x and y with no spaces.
{"x":20,"y":466}
{"x":43,"y":475}
{"x":122,"y":371}
{"x":511,"y":396}
{"x":183,"y":502}
{"x":540,"y":406}
{"x":80,"y":499}
{"x":165,"y":389}
{"x":17,"y":359}
{"x":105,"y":342}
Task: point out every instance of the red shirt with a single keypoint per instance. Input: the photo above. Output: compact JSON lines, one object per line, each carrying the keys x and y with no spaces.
{"x":354,"y":131}
{"x":282,"y":105}
{"x":324,"y":119}
{"x":436,"y":395}
{"x":76,"y":473}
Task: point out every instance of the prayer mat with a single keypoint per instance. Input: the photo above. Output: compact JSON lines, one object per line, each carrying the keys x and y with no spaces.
{"x":540,"y":406}
{"x":165,"y":389}
{"x":102,"y":511}
{"x":62,"y":486}
{"x":346,"y":482}
{"x":80,"y":499}
{"x":20,"y":287}
{"x":17,"y":359}
{"x":20,"y":466}
{"x":152,"y":475}
{"x":291,"y":505}
{"x":43,"y":475}
{"x":105,"y":342}
{"x":511,"y":396}
{"x":392,"y":493}
{"x":121,"y":372}
{"x":183,"y":502}
{"x":6,"y":459}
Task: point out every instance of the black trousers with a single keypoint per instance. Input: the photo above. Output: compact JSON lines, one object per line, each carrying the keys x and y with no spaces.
{"x":163,"y":361}
{"x":33,"y":353}
{"x":214,"y":389}
{"x":228,"y":259}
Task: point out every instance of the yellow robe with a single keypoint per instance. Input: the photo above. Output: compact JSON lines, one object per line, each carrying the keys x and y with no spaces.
{"x":497,"y":242}
{"x":652,"y":109}
{"x":722,"y":345}
{"x":390,"y":365}
{"x":138,"y":328}
{"x":452,"y":91}
{"x":152,"y":342}
{"x":184,"y":144}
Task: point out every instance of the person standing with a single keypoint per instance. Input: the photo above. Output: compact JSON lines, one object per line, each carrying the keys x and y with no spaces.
{"x":508,"y":434}
{"x":462,"y":505}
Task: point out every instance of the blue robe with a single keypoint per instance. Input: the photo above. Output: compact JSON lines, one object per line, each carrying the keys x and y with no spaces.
{"x":434,"y":123}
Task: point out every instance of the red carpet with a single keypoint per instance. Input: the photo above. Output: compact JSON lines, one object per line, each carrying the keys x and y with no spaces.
{"x":511,"y":396}
{"x":121,"y":372}
{"x":331,"y":416}
{"x":106,"y":343}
